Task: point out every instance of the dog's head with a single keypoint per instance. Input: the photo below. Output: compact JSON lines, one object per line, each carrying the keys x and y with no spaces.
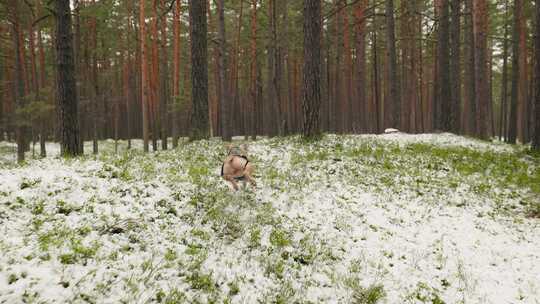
{"x":237,"y":149}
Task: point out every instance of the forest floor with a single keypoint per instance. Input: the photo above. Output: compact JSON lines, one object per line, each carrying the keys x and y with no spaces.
{"x":349,"y":219}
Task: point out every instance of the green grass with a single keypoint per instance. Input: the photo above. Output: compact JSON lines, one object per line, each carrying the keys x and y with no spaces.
{"x":216,"y":217}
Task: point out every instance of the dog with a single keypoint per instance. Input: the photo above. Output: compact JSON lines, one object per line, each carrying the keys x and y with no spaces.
{"x":237,"y":166}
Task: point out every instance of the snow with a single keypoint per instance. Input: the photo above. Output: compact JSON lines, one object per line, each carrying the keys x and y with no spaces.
{"x":321,"y":225}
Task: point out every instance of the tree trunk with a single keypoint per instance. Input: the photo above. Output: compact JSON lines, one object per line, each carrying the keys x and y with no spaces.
{"x":273,"y":99}
{"x":199,"y":71}
{"x":455,"y":66}
{"x":393,"y":100}
{"x":176,"y":74}
{"x":376,"y":79}
{"x":66,"y":85}
{"x":442,"y":105}
{"x":360,"y":109}
{"x":523,"y":99}
{"x":337,"y":117}
{"x":215,"y":96}
{"x":504,"y":84}
{"x":347,"y":71}
{"x":481,"y":73}
{"x":516,"y":67}
{"x":312,"y":67}
{"x":469,"y":109}
{"x":239,"y":112}
{"x":96,"y":113}
{"x":154,"y":77}
{"x":21,"y":130}
{"x":536,"y":137}
{"x":224,"y":100}
{"x":254,"y":104}
{"x":163,"y":79}
{"x":144,"y":76}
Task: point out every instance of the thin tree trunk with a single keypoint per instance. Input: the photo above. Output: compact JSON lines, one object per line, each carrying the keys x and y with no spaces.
{"x":273,"y":99}
{"x":254,"y":104}
{"x":455,"y":66}
{"x":226,"y":122}
{"x":360,"y":109}
{"x":516,"y":54}
{"x":347,"y":71}
{"x":504,"y":85}
{"x":176,"y":74}
{"x":163,"y":76}
{"x":234,"y":88}
{"x":144,"y":75}
{"x":523,"y":99}
{"x":337,"y":118}
{"x":154,"y":79}
{"x":481,"y":73}
{"x":536,"y":137}
{"x":96,"y":113}
{"x":128,"y":77}
{"x":214,"y":98}
{"x":469,"y":109}
{"x":376,"y":80}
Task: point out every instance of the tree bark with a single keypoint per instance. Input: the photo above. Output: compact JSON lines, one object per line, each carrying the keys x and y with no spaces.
{"x":455,"y":66}
{"x":144,"y":75}
{"x":469,"y":109}
{"x":66,"y":85}
{"x":19,"y":92}
{"x":536,"y":137}
{"x":523,"y":98}
{"x":376,"y":79}
{"x":442,"y":105}
{"x":360,"y":108}
{"x":176,"y":73}
{"x":224,"y":100}
{"x":504,"y":85}
{"x":393,"y":100}
{"x":312,"y":67}
{"x":254,"y":104}
{"x":481,"y":74}
{"x":163,"y":79}
{"x":199,"y":71}
{"x":516,"y":67}
{"x":347,"y":71}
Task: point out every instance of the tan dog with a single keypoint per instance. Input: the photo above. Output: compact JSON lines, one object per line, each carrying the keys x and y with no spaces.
{"x":237,"y":167}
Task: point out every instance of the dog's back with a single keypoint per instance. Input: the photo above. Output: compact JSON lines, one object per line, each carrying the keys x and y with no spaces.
{"x":237,"y":166}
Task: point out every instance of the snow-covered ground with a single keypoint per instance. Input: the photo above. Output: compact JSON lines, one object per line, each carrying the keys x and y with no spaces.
{"x":392,"y":218}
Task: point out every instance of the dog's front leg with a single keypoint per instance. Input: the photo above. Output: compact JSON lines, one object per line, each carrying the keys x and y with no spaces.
{"x":251,"y":180}
{"x":231,"y":180}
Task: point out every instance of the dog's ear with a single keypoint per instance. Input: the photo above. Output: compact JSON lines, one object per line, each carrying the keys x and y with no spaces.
{"x":228,"y":147}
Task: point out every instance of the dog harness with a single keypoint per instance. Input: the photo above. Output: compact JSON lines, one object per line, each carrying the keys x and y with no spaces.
{"x":238,"y":178}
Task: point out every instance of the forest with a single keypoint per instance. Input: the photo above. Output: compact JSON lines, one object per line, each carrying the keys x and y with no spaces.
{"x":269,"y":151}
{"x":466,"y":67}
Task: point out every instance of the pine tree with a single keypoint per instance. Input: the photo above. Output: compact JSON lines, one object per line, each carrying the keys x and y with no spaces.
{"x":536,"y":137}
{"x":312,"y":67}
{"x":66,"y":88}
{"x":199,"y":70}
{"x":481,"y":73}
{"x":393,"y":100}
